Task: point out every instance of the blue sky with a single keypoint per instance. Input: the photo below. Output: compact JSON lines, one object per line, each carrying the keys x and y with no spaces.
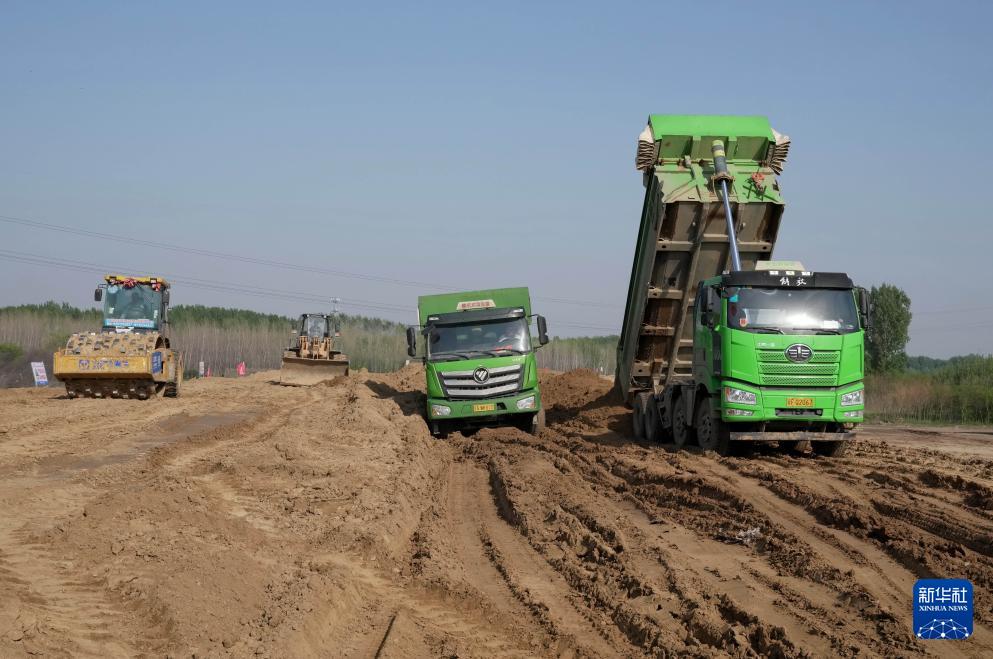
{"x":475,"y":146}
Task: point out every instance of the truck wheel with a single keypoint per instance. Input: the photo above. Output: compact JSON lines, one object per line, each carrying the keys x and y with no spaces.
{"x":650,"y":419}
{"x":710,"y":431}
{"x":538,"y":421}
{"x":682,"y":434}
{"x":831,"y":449}
{"x":638,"y":418}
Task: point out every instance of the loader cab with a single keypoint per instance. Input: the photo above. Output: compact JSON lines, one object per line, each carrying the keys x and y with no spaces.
{"x":314,"y":326}
{"x":317,"y":326}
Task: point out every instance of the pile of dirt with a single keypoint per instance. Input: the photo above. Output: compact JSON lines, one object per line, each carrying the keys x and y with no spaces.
{"x":573,"y":389}
{"x":250,"y":519}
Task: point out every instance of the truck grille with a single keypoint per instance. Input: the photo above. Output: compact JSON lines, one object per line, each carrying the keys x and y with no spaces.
{"x":503,"y":381}
{"x":820,"y":371}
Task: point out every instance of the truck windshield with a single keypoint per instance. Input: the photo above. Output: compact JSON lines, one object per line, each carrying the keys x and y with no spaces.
{"x":788,"y":309}
{"x":493,"y":337}
{"x":135,"y":307}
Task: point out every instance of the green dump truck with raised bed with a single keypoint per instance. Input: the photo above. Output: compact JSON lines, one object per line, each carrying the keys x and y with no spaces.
{"x":719,"y":345}
{"x":479,"y":359}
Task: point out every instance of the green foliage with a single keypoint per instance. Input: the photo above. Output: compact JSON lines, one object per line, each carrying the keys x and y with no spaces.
{"x":887,"y":342}
{"x":923,"y":364}
{"x":53,"y":310}
{"x":961,"y":391}
{"x":187,"y":315}
{"x":9,"y":352}
{"x":974,"y":370}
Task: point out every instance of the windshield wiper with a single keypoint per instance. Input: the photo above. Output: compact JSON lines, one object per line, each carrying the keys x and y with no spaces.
{"x":496,"y":353}
{"x":450,"y":356}
{"x":827,"y":331}
{"x":764,"y":330}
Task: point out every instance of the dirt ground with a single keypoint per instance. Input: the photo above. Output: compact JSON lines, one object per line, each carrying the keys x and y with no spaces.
{"x":250,"y":519}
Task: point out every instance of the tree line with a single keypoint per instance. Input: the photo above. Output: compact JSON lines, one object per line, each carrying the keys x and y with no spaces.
{"x":222,"y":337}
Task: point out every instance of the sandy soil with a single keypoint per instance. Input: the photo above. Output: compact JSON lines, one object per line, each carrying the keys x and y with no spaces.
{"x":250,"y":519}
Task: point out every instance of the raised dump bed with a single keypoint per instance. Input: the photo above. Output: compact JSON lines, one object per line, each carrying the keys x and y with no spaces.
{"x":683,"y":237}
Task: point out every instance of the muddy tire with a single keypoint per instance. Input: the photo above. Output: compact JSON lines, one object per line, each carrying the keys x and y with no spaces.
{"x":651,"y":420}
{"x":794,"y":446}
{"x":638,"y":418}
{"x":682,"y":433}
{"x":830,"y":449}
{"x":711,"y":432}
{"x":538,"y":421}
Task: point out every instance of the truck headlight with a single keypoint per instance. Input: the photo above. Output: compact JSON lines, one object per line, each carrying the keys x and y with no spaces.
{"x":440,"y":410}
{"x":526,"y":403}
{"x":734,"y":412}
{"x":854,"y":414}
{"x":732,"y":395}
{"x":852,"y":398}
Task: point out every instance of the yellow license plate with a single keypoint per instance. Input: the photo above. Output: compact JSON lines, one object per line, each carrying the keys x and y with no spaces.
{"x":485,"y":407}
{"x":799,"y":402}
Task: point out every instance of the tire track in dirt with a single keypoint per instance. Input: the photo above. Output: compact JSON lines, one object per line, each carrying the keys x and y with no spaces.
{"x":327,"y":521}
{"x":897,"y":552}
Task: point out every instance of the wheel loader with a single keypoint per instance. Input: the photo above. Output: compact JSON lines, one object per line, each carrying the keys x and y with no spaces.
{"x":130,"y":357}
{"x":313,"y":356}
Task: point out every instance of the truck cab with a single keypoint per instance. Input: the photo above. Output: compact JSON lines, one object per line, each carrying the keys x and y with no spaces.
{"x":778,"y":355}
{"x":479,"y":359}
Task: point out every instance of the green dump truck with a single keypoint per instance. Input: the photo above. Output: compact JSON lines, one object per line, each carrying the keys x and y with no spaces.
{"x":719,"y":345}
{"x":479,"y":359}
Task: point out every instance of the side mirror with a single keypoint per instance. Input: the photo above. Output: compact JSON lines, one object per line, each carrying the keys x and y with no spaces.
{"x":98,"y":295}
{"x":542,"y":330}
{"x":411,"y":342}
{"x":865,"y":308}
{"x":711,"y":307}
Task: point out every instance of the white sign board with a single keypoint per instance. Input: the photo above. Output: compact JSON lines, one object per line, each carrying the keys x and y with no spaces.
{"x":40,"y":377}
{"x":200,"y":370}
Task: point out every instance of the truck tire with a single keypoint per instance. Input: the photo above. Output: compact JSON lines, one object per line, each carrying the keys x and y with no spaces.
{"x":711,"y":432}
{"x":682,"y":433}
{"x":830,"y":449}
{"x":652,"y":420}
{"x":538,"y":421}
{"x":638,"y":418}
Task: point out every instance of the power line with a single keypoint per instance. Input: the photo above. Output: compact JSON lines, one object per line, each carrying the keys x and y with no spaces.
{"x":266,"y":262}
{"x":241,"y":289}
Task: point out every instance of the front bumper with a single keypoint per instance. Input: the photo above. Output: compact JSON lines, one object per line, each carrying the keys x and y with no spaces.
{"x":800,"y":436}
{"x":774,"y":404}
{"x":493,"y":407}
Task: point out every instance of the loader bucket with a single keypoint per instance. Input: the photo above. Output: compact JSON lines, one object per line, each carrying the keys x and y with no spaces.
{"x":300,"y":371}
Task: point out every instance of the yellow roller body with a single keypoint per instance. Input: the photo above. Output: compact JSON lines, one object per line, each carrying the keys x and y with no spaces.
{"x":118,"y":365}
